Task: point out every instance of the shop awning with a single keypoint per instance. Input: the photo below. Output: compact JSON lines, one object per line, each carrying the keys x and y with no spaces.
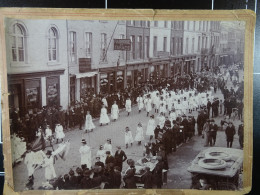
{"x":86,"y":74}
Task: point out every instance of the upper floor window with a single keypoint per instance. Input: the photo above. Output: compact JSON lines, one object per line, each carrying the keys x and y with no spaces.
{"x":164,"y":44}
{"x":155,"y":23}
{"x":52,"y":44}
{"x":88,"y":43}
{"x":18,"y":43}
{"x":73,"y":47}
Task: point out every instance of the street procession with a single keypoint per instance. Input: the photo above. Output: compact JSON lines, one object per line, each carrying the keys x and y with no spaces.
{"x":137,"y":124}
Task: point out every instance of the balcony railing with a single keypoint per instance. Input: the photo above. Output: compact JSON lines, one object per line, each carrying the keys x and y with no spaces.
{"x":162,"y":54}
{"x":204,"y":50}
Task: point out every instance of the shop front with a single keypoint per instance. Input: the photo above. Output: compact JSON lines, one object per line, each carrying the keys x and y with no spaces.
{"x":112,"y":79}
{"x":137,"y":74}
{"x":87,"y":84}
{"x":29,"y":91}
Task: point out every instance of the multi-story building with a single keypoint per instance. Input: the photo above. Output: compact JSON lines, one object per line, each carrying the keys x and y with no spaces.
{"x":176,"y":46}
{"x":94,"y":65}
{"x":137,"y":59}
{"x":160,"y":37}
{"x":37,"y":64}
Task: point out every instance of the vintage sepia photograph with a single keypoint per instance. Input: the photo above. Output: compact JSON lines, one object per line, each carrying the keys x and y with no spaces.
{"x":126,"y":104}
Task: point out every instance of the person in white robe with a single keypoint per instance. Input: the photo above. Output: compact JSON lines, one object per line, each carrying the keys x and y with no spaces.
{"x":162,"y":108}
{"x":150,"y":127}
{"x":148,"y":105}
{"x":161,"y":119}
{"x":114,"y":111}
{"x":85,"y":154}
{"x":128,"y":137}
{"x":140,"y":103}
{"x":103,"y":116}
{"x":104,"y":101}
{"x":102,"y":154}
{"x":108,"y":146}
{"x":128,"y":107}
{"x":59,"y":132}
{"x":89,"y":125}
{"x":49,"y":168}
{"x":157,"y":103}
{"x":48,"y":135}
{"x":139,"y":136}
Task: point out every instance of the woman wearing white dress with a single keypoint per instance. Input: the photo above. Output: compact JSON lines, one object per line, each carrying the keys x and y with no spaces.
{"x":140,"y":103}
{"x":148,"y":105}
{"x":139,"y":137}
{"x":59,"y":132}
{"x":108,"y":146}
{"x":162,"y":108}
{"x":103,"y":116}
{"x":85,"y":153}
{"x":102,"y":154}
{"x":104,"y":101}
{"x":128,"y":137}
{"x":151,"y":127}
{"x":161,"y":119}
{"x":89,"y":125}
{"x":128,"y":106}
{"x":114,"y":111}
{"x":49,"y":168}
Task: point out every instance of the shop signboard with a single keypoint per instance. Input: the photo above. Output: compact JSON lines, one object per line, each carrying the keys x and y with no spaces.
{"x":122,"y":44}
{"x":84,"y":65}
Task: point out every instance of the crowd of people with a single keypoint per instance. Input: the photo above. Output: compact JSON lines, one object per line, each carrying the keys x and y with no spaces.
{"x":172,"y":102}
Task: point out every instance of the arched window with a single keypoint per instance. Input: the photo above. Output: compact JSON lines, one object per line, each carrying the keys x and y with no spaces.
{"x":52,"y":44}
{"x":18,"y":43}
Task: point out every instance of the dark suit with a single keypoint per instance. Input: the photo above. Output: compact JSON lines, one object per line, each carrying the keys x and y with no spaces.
{"x":120,"y":157}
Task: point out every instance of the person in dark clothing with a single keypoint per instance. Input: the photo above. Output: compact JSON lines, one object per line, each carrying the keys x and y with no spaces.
{"x":86,"y":181}
{"x":185,"y":125}
{"x":175,"y":129}
{"x":117,"y":178}
{"x":73,"y":180}
{"x":99,"y":163}
{"x":80,"y":176}
{"x":213,"y":128}
{"x":129,"y":177}
{"x":156,"y":131}
{"x":230,"y":132}
{"x":120,"y":157}
{"x":240,"y":133}
{"x":66,"y":185}
{"x":208,"y":107}
{"x":157,"y":173}
{"x":200,"y":122}
{"x":147,"y":179}
{"x":109,"y":159}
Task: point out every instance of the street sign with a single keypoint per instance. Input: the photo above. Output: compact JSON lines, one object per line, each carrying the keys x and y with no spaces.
{"x":122,"y":44}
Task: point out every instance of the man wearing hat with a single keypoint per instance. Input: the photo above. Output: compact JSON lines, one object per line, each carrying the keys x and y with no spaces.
{"x":230,"y":132}
{"x":120,"y":157}
{"x":167,"y":137}
{"x":213,"y":132}
{"x":85,"y":153}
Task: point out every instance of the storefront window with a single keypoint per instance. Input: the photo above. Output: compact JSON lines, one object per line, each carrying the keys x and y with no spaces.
{"x":72,"y":89}
{"x":32,"y":93}
{"x":120,"y":80}
{"x":52,"y":93}
{"x":87,"y":87}
{"x":103,"y":83}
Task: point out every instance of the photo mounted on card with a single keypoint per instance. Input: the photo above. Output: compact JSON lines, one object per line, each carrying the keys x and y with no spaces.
{"x":112,"y":100}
